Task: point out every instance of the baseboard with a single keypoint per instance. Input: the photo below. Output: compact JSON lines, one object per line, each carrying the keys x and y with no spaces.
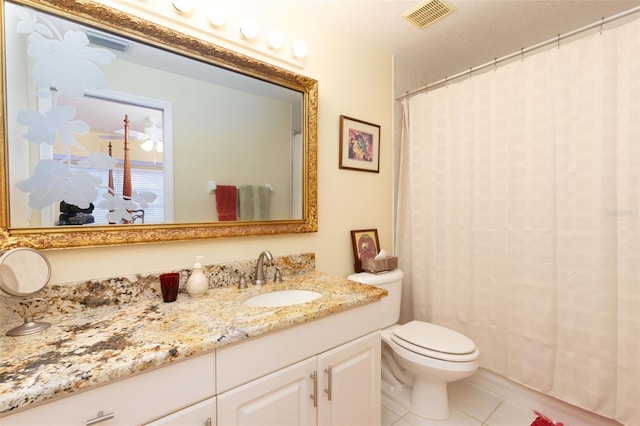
{"x":553,"y":408}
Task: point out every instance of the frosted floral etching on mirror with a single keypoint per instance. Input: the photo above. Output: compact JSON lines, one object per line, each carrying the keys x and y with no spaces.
{"x":107,"y":145}
{"x":67,"y":64}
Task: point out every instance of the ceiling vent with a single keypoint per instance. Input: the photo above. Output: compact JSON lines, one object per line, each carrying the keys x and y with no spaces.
{"x":428,"y":12}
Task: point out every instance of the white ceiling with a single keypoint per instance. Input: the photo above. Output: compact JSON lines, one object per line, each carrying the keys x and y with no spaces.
{"x":476,"y":33}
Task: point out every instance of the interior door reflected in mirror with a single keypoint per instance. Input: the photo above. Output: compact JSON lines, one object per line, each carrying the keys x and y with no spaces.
{"x":89,"y":111}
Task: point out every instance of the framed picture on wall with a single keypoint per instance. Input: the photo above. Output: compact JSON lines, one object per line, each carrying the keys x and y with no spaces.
{"x":359,"y":145}
{"x":365,"y":244}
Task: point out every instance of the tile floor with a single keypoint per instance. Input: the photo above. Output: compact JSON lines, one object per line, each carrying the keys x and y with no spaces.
{"x":470,"y":405}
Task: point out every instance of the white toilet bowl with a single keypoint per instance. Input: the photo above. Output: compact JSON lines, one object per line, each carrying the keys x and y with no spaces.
{"x":419,"y":359}
{"x":426,"y":392}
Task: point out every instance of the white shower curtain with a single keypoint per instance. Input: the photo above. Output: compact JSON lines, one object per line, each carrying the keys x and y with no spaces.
{"x":519,"y":218}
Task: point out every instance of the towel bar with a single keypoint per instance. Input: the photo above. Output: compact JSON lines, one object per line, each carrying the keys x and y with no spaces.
{"x":211,"y":186}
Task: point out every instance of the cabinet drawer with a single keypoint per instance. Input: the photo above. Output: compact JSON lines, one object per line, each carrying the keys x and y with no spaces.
{"x":200,"y":414}
{"x":131,"y":401}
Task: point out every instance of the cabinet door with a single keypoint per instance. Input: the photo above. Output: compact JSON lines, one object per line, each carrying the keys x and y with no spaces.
{"x":350,"y":383}
{"x":281,"y":398}
{"x":200,"y":414}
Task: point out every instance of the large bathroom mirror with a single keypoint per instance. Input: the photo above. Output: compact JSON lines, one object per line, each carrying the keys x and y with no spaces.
{"x":117,"y":130}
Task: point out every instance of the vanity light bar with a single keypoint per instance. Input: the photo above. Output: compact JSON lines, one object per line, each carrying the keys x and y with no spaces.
{"x":107,"y":40}
{"x":249,"y":31}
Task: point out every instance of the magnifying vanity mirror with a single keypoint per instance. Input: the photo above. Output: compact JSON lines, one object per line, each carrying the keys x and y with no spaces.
{"x":118,"y":130}
{"x":23,"y":273}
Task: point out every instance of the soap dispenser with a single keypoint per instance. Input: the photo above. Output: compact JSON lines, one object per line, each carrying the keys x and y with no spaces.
{"x":197,"y":284}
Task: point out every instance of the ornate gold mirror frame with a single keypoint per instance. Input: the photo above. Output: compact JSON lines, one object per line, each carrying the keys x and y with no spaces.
{"x":131,"y":27}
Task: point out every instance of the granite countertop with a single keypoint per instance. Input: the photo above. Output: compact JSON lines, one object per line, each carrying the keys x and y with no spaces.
{"x":89,"y":348}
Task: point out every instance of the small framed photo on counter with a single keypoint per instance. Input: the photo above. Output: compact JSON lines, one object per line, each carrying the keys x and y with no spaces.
{"x":359,"y":145}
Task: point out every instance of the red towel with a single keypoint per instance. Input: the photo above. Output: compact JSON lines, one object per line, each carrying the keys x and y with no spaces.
{"x":542,"y":420}
{"x":227,"y":202}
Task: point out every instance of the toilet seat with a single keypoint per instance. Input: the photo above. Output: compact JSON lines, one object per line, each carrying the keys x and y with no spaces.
{"x":435,"y":341}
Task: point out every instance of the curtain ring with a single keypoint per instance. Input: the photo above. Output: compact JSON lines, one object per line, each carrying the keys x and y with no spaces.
{"x":558,"y":41}
{"x":446,"y":81}
{"x":495,"y":64}
{"x":470,"y":72}
{"x":522,"y":54}
{"x":601,"y":25}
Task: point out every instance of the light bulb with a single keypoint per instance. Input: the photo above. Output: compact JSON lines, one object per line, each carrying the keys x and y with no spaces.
{"x":183,"y":6}
{"x":147,"y":145}
{"x":217,"y":16}
{"x":249,"y":28}
{"x":299,"y":49}
{"x":275,"y":39}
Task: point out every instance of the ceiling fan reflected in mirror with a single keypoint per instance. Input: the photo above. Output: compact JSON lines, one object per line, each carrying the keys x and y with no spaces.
{"x":151,"y":138}
{"x":154,"y":140}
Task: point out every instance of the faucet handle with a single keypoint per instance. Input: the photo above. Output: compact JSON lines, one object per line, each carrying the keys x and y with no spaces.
{"x":278,"y":276}
{"x":242,"y":284}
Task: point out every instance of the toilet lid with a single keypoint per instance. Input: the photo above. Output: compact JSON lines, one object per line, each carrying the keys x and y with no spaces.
{"x":434,"y":341}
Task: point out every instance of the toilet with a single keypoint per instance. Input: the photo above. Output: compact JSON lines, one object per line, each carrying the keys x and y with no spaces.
{"x":419,"y":359}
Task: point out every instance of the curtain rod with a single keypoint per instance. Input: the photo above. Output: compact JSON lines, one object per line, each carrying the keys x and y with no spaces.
{"x":522,"y":51}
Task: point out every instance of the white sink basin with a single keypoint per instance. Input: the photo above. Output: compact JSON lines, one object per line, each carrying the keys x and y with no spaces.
{"x":282,"y":298}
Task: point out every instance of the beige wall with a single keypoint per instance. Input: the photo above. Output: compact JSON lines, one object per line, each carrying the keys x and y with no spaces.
{"x":355,"y":79}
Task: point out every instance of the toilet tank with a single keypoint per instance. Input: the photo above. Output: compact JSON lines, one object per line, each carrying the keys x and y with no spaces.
{"x":390,"y":281}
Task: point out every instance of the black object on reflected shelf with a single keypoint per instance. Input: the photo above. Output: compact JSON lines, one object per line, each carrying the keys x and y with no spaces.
{"x":71,"y":214}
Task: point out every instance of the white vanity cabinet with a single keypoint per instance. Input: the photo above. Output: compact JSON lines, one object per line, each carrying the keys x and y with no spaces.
{"x":325,"y":372}
{"x":134,"y":400}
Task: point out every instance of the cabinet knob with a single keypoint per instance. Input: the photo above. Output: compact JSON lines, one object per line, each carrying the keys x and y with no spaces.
{"x":208,"y":422}
{"x":100,"y":418}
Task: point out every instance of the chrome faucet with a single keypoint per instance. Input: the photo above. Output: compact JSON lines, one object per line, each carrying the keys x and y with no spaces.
{"x":260,"y":267}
